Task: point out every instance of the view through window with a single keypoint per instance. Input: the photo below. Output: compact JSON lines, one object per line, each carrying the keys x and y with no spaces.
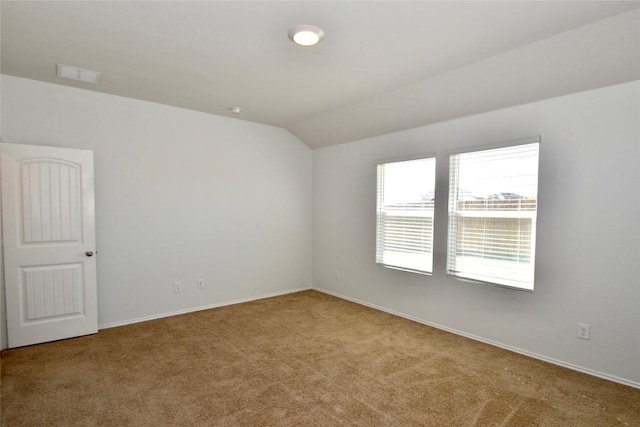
{"x":406,"y":193}
{"x":492,"y":215}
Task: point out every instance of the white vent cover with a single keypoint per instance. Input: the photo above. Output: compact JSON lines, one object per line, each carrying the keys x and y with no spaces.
{"x":79,"y":74}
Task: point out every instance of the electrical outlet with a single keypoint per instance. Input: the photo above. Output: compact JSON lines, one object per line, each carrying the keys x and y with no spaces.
{"x":337,"y":274}
{"x":177,"y":287}
{"x":584,"y":331}
{"x":200,"y":284}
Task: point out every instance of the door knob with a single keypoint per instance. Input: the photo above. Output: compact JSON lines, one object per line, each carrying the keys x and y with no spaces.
{"x":89,"y":253}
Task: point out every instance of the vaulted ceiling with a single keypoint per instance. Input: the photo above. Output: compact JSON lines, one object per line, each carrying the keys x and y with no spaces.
{"x":383,"y":66}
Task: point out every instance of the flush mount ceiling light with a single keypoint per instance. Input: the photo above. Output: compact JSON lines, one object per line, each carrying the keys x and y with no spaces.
{"x":235,"y":110}
{"x":306,"y":35}
{"x":79,"y":74}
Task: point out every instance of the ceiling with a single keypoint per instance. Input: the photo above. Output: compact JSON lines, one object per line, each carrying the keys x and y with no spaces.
{"x":383,"y":66}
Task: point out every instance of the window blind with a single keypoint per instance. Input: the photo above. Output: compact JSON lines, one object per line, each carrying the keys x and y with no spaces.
{"x":492,"y":215}
{"x":404,"y":226}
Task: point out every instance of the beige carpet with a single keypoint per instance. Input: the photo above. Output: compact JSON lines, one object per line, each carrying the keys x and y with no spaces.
{"x":304,"y":359}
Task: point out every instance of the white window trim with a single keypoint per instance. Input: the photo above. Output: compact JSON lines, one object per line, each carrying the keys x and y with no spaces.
{"x":503,"y":144}
{"x":429,"y":155}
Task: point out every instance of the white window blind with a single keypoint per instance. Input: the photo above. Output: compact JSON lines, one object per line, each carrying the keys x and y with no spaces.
{"x":492,"y":215}
{"x":404,"y":232}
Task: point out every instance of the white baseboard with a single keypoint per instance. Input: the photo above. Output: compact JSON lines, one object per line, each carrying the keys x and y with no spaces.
{"x":200,"y":308}
{"x":488,"y":341}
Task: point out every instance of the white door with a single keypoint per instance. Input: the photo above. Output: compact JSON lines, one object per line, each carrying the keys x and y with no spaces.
{"x":48,"y":231}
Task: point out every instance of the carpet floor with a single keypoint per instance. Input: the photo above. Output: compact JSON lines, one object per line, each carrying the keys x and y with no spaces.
{"x":303,"y":359}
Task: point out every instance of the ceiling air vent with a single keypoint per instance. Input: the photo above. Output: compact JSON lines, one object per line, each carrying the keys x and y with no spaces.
{"x":79,"y":74}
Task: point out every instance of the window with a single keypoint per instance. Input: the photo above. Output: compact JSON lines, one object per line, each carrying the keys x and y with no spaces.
{"x":492,"y":215}
{"x":404,"y":233}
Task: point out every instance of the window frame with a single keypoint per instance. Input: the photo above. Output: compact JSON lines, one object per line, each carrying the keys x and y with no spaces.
{"x":451,"y":210}
{"x":423,"y":156}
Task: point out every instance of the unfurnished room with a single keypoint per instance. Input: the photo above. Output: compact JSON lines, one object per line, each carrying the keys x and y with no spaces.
{"x":320,"y":213}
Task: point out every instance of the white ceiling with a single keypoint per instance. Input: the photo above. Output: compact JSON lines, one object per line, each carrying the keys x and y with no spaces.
{"x":383,"y":66}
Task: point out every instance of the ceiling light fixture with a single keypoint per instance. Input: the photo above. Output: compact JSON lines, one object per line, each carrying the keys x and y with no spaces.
{"x":79,"y":74}
{"x":235,"y":110}
{"x":306,"y":35}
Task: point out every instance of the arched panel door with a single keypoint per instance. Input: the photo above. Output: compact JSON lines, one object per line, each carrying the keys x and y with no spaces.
{"x":48,"y":230}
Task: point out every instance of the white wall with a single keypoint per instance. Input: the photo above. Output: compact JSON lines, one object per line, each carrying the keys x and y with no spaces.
{"x":588,"y":241}
{"x":3,"y":320}
{"x":183,"y":195}
{"x":180,"y":195}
